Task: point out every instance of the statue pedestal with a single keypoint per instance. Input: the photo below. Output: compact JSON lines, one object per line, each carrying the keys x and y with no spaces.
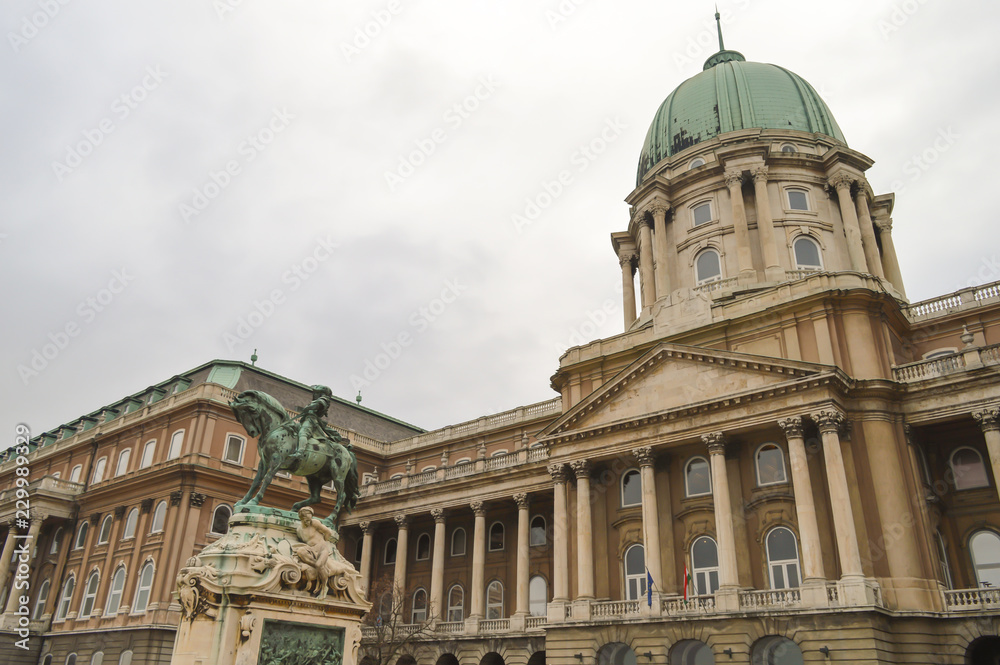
{"x":249,"y":599}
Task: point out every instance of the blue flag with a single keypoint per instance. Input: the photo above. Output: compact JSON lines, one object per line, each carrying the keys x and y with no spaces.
{"x":649,"y":589}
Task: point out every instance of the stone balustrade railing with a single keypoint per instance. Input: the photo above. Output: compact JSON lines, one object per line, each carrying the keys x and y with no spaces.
{"x":494,"y":625}
{"x":971,"y":600}
{"x":450,"y":627}
{"x":717,"y":285}
{"x":46,"y":484}
{"x":614,"y":608}
{"x":957,"y":362}
{"x":771,"y":599}
{"x":697,"y":605}
{"x":532,"y":623}
{"x":963,"y":299}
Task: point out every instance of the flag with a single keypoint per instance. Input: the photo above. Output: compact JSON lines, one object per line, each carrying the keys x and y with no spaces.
{"x":649,"y":588}
{"x":687,"y":577}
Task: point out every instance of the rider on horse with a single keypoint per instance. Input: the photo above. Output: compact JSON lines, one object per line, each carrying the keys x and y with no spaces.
{"x":312,"y":424}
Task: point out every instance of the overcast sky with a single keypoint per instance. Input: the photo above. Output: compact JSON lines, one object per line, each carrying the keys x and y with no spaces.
{"x":171,"y":168}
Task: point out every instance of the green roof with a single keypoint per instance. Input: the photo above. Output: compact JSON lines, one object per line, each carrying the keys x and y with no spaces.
{"x":729,"y":95}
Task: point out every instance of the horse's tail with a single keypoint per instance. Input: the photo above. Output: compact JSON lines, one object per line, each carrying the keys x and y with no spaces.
{"x":351,"y":485}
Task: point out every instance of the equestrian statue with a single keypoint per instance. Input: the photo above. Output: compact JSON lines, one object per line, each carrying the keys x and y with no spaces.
{"x":304,"y":447}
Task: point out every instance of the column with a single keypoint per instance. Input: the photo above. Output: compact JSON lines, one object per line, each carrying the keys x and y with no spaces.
{"x":627,"y":262}
{"x":523,"y":559}
{"x":650,"y":518}
{"x":560,"y":540}
{"x":368,"y":529}
{"x":584,"y":531}
{"x":399,"y":573}
{"x":842,"y":183}
{"x":989,"y":422}
{"x":773,"y":272}
{"x":646,"y":279}
{"x":716,"y":443}
{"x":478,"y":562}
{"x":890,"y":262}
{"x":8,"y":552}
{"x":805,"y":506}
{"x":830,"y":422}
{"x":868,"y":233}
{"x":660,"y":249}
{"x":29,"y":542}
{"x":734,"y":181}
{"x":437,"y":612}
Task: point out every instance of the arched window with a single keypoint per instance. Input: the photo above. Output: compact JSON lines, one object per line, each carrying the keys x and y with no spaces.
{"x":775,"y":650}
{"x":702,"y":213}
{"x":631,"y":488}
{"x":66,"y":597}
{"x":419,"y":613}
{"x":788,"y":147}
{"x":234,"y":449}
{"x":635,"y":573}
{"x":496,"y":537}
{"x":176,"y":443}
{"x":125,"y":658}
{"x":536,"y":535}
{"x":89,"y":594}
{"x":616,"y":653}
{"x":708,"y":267}
{"x":943,"y":556}
{"x":390,"y":551}
{"x":123,"y":460}
{"x":56,"y":541}
{"x":456,"y":603}
{"x":359,"y":549}
{"x":81,"y":536}
{"x":147,"y":454}
{"x":807,"y":254}
{"x":48,"y":660}
{"x":71,"y":659}
{"x":770,"y":465}
{"x":115,"y":592}
{"x":798,"y":199}
{"x":458,"y":542}
{"x":76,"y":473}
{"x":494,"y":600}
{"x":105,"y":533}
{"x":538,"y":596}
{"x":130,"y":524}
{"x":697,"y":479}
{"x":99,"y":470}
{"x":97,"y":658}
{"x":159,"y":515}
{"x":985,"y":549}
{"x":691,"y":652}
{"x":43,"y":596}
{"x":220,"y":518}
{"x":142,"y":590}
{"x":968,"y":469}
{"x":705,"y":566}
{"x":696,"y":162}
{"x":423,"y":547}
{"x":782,"y":558}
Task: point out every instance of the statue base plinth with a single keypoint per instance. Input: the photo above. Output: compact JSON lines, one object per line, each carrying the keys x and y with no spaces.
{"x":251,"y":598}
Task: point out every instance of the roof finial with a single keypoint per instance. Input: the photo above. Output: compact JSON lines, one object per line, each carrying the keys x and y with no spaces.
{"x":718,"y":25}
{"x":253,"y":358}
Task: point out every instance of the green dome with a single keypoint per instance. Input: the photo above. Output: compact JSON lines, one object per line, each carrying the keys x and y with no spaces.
{"x":729,"y":95}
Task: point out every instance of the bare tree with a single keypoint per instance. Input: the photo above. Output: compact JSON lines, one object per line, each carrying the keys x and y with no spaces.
{"x":388,"y":630}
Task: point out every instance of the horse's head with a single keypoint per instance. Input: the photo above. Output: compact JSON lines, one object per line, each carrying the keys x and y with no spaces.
{"x":258,"y":412}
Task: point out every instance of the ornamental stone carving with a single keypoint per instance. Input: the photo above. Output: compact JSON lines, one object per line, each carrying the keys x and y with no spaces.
{"x":759,"y":174}
{"x":716,"y":442}
{"x":368,"y":528}
{"x":438,"y":515}
{"x":95,"y":519}
{"x":627,"y":258}
{"x":175,"y":497}
{"x":829,"y":421}
{"x":559,"y":473}
{"x":522,"y":501}
{"x":644,"y":455}
{"x":119,"y":512}
{"x":478,"y":509}
{"x":197,"y":499}
{"x":841,"y":181}
{"x":884,"y":225}
{"x":581,"y":468}
{"x":145,"y":506}
{"x":402,"y":521}
{"x":734,"y":178}
{"x":792,"y":427}
{"x":988,"y":419}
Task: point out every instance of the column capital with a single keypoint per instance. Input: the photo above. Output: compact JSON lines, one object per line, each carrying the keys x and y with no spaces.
{"x":521,"y":500}
{"x":658,"y":207}
{"x":759,"y":173}
{"x":792,"y":427}
{"x":829,"y":420}
{"x":438,"y":515}
{"x":368,"y":528}
{"x":716,"y":442}
{"x":734,"y":178}
{"x":884,"y":224}
{"x":581,"y":468}
{"x":988,"y":419}
{"x":840,"y":181}
{"x":558,"y":472}
{"x":627,"y":258}
{"x":477,"y":508}
{"x":644,"y":455}
{"x":402,"y":521}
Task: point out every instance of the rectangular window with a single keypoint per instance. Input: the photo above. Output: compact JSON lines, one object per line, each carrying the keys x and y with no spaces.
{"x":797,"y":200}
{"x":234,"y":450}
{"x":702,"y":213}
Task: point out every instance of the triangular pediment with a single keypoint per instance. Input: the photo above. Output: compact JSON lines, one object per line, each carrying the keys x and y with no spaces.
{"x":673,"y":376}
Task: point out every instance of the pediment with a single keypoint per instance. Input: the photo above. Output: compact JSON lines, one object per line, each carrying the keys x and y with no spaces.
{"x":673,"y":376}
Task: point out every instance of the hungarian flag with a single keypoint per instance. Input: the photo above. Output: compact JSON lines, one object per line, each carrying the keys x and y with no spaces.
{"x":687,"y":580}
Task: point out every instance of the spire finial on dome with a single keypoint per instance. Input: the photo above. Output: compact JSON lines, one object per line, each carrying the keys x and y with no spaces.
{"x":718,"y":26}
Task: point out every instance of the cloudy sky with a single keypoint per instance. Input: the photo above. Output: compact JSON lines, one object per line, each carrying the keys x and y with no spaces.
{"x":191,"y":180}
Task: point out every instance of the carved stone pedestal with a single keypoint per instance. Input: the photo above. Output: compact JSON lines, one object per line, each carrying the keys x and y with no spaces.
{"x":249,"y":599}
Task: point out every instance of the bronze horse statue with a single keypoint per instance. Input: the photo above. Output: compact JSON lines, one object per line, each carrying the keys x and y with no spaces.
{"x":325,"y":457}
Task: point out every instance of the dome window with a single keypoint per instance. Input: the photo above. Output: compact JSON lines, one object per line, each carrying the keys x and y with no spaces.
{"x":702,"y":213}
{"x":798,"y":199}
{"x":788,"y":147}
{"x":696,"y":162}
{"x":707,"y":267}
{"x":807,"y":254}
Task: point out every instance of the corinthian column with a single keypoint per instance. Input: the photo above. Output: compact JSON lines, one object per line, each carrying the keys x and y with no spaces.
{"x":523,"y":559}
{"x":989,"y":422}
{"x":627,"y":261}
{"x":368,"y":529}
{"x":13,"y":598}
{"x":437,"y":565}
{"x":765,"y":226}
{"x":842,"y":184}
{"x":560,"y":540}
{"x":584,"y":531}
{"x":868,"y":233}
{"x":646,"y":263}
{"x":734,"y":181}
{"x":716,"y":443}
{"x":402,"y":547}
{"x":805,"y":507}
{"x":650,"y":518}
{"x":478,"y":561}
{"x":890,"y":262}
{"x":830,"y":423}
{"x":661,"y":249}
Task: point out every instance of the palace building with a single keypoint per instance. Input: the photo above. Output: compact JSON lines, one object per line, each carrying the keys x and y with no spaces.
{"x":780,"y":460}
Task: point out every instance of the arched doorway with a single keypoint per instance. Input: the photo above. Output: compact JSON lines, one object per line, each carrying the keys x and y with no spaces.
{"x":776,"y":650}
{"x":406,"y":659}
{"x":492,"y":658}
{"x":616,"y":653}
{"x":447,"y":659}
{"x":984,"y":651}
{"x":537,"y":658}
{"x":691,"y":652}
